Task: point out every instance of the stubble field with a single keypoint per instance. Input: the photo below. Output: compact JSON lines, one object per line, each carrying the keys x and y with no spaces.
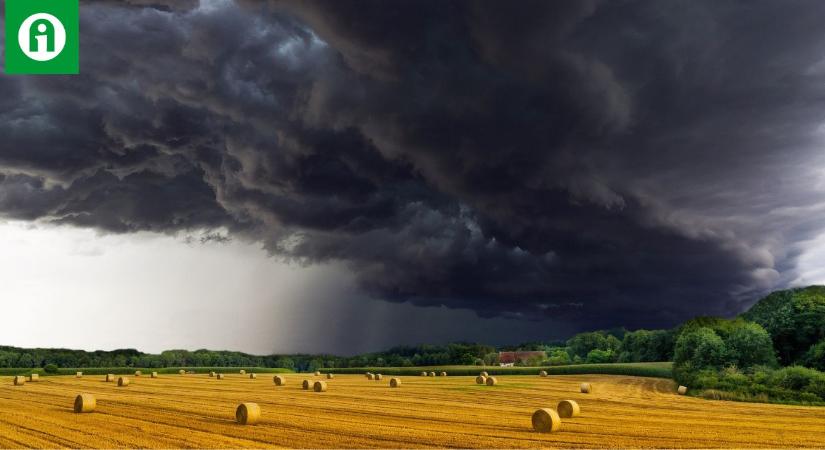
{"x":198,"y":411}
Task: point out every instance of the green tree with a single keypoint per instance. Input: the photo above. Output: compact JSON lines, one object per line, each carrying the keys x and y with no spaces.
{"x":491,"y":359}
{"x":315,"y":364}
{"x":662,"y":345}
{"x":25,"y":360}
{"x":582,"y":343}
{"x":559,"y":357}
{"x":815,"y":357}
{"x":699,"y":349}
{"x":467,"y":359}
{"x":795,"y":319}
{"x":748,"y":345}
{"x":647,"y":345}
{"x":636,"y":346}
{"x":597,"y":356}
{"x":285,"y":363}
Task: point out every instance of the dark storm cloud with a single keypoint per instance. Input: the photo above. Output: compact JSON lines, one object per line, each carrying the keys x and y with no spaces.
{"x":617,"y":163}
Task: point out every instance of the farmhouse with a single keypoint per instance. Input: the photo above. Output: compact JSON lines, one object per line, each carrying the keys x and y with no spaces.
{"x":508,"y":359}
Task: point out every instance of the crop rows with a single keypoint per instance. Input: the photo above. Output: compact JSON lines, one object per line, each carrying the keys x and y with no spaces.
{"x":198,"y":411}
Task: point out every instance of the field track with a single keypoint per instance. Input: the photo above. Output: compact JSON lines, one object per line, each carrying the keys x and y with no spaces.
{"x":198,"y":411}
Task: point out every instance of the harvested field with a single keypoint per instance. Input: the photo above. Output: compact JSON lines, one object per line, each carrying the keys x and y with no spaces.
{"x":199,"y":411}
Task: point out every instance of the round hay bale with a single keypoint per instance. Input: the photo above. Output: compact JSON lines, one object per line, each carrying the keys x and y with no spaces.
{"x":370,"y":376}
{"x":491,"y":381}
{"x":212,"y":374}
{"x":110,"y":377}
{"x":317,"y":373}
{"x":432,"y":374}
{"x":34,"y":377}
{"x":568,"y":409}
{"x":19,"y":380}
{"x":253,"y":376}
{"x":545,"y":420}
{"x":138,"y":373}
{"x":306,"y":385}
{"x":319,"y":386}
{"x":78,"y":375}
{"x":247,"y":413}
{"x":243,"y":372}
{"x":682,"y":390}
{"x":219,"y":376}
{"x":278,"y":380}
{"x":330,"y":376}
{"x":586,"y":388}
{"x":378,"y":377}
{"x":423,"y":374}
{"x":443,"y":374}
{"x":154,"y":375}
{"x":543,"y":374}
{"x":182,"y":372}
{"x":484,"y":374}
{"x":84,"y":403}
{"x":481,"y":379}
{"x":395,"y":382}
{"x":122,"y":381}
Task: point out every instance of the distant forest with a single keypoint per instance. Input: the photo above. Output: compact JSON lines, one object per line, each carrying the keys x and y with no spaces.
{"x":594,"y":347}
{"x":774,"y":351}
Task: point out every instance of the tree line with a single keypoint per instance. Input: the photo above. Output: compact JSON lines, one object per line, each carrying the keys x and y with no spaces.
{"x":591,"y":347}
{"x":403,"y":356}
{"x":775,"y":350}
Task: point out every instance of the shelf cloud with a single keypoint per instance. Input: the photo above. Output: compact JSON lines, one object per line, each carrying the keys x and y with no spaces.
{"x":602,"y":163}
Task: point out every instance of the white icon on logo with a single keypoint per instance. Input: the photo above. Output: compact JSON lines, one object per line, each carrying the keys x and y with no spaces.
{"x":41,"y":37}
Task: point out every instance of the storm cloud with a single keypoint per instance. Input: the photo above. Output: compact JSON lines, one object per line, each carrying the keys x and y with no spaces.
{"x":605,"y":163}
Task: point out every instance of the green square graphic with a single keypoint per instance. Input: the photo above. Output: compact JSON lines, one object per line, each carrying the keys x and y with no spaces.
{"x":42,"y":37}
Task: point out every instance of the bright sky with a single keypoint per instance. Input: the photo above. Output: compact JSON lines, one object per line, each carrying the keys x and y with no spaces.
{"x":74,"y":288}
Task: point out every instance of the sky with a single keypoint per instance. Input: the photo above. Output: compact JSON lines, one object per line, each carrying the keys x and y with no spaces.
{"x":302,"y":176}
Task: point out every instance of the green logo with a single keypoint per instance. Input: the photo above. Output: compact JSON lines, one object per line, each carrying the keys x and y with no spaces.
{"x":42,"y":37}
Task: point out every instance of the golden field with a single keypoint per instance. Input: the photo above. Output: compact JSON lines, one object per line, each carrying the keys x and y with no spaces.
{"x":198,"y":411}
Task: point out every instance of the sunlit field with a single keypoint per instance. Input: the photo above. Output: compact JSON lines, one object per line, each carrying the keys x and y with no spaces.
{"x":452,"y":411}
